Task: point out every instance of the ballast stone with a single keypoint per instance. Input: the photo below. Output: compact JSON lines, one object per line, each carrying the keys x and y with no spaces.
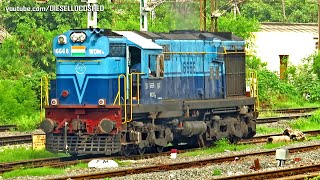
{"x":101,"y":163}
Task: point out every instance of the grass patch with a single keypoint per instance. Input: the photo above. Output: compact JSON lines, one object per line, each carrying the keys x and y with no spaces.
{"x":79,"y":166}
{"x":216,"y":172}
{"x":294,"y":104}
{"x":274,"y":145}
{"x":269,"y":114}
{"x":311,"y":138}
{"x":220,"y":146}
{"x":33,"y":172}
{"x":122,"y":163}
{"x":304,"y":124}
{"x":19,"y":154}
{"x":43,"y":171}
{"x":264,"y":129}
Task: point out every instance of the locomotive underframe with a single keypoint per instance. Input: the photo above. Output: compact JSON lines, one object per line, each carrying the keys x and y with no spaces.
{"x":195,"y":123}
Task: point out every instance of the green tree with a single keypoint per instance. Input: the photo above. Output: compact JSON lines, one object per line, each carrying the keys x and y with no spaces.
{"x":239,"y":25}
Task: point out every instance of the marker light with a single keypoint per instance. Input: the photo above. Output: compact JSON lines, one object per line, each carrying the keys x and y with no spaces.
{"x":62,"y":39}
{"x":54,"y":102}
{"x":65,"y":93}
{"x":78,"y":37}
{"x":102,"y":102}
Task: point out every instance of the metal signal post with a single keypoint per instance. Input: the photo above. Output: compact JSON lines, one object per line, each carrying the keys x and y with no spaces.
{"x":92,"y":21}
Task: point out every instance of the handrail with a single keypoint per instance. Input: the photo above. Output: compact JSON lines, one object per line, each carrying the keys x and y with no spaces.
{"x":223,"y":53}
{"x":254,"y":87}
{"x":125,"y":95}
{"x":138,"y":82}
{"x":45,"y":87}
{"x":118,"y":96}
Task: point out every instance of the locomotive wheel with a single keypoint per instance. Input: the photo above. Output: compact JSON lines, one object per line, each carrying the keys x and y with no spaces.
{"x":234,"y":139}
{"x":141,"y":151}
{"x":159,"y":149}
{"x":126,"y":151}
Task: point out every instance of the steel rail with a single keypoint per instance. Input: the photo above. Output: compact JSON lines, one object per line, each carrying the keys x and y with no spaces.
{"x":264,"y":138}
{"x":277,"y":173}
{"x":7,"y":127}
{"x":9,"y":140}
{"x":292,"y":110}
{"x":65,"y":161}
{"x":276,"y":119}
{"x":181,"y":165}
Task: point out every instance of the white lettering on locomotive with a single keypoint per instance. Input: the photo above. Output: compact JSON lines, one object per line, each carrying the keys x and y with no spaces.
{"x":61,"y":51}
{"x":96,"y":51}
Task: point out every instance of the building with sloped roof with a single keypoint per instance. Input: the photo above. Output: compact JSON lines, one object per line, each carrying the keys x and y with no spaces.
{"x":283,"y":44}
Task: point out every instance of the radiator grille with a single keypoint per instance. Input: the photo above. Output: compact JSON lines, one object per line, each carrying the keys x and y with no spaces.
{"x":90,"y":144}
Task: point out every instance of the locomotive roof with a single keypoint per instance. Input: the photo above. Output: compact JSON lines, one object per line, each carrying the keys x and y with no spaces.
{"x":190,"y":35}
{"x":143,"y":42}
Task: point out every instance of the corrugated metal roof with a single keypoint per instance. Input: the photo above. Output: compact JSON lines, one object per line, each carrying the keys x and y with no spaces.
{"x":139,"y":40}
{"x":290,"y":27}
{"x":3,"y":34}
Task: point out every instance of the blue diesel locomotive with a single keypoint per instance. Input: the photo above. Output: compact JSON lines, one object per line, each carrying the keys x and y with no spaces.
{"x":124,"y":91}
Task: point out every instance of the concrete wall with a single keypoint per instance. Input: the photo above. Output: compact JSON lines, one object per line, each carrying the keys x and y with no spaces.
{"x":269,"y":45}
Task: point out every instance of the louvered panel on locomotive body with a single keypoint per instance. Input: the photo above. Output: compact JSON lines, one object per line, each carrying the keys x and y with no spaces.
{"x":235,"y":73}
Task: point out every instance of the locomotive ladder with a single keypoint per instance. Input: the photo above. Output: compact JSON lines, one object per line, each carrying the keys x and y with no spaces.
{"x":126,"y":96}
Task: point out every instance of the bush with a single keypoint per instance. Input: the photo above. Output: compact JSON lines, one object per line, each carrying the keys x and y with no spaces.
{"x":17,"y":100}
{"x":300,"y":86}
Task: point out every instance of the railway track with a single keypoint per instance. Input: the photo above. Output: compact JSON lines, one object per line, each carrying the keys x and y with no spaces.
{"x":66,"y":161}
{"x":293,"y":172}
{"x":264,"y":138}
{"x":182,"y":165}
{"x":4,"y":128}
{"x":292,"y":110}
{"x":9,"y":140}
{"x":276,"y":119}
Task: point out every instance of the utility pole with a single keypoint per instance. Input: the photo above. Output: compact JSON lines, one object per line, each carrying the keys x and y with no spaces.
{"x":201,"y":15}
{"x":143,"y":16}
{"x":214,"y":16}
{"x":284,"y":11}
{"x":212,"y":4}
{"x":205,"y":15}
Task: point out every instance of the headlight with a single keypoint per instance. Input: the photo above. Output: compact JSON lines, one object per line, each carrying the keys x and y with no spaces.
{"x":78,"y":37}
{"x":54,"y":102}
{"x":102,"y":102}
{"x":62,"y":39}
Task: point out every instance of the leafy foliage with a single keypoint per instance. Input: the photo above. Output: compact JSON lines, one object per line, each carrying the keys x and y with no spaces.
{"x":239,"y":25}
{"x":19,"y":100}
{"x":300,"y":85}
{"x":302,"y":11}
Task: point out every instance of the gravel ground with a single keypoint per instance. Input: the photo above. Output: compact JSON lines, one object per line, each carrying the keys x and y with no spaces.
{"x":16,"y":133}
{"x":241,"y":166}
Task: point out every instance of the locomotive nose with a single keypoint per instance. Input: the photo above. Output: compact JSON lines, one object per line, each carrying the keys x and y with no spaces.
{"x":106,"y":126}
{"x":47,"y":125}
